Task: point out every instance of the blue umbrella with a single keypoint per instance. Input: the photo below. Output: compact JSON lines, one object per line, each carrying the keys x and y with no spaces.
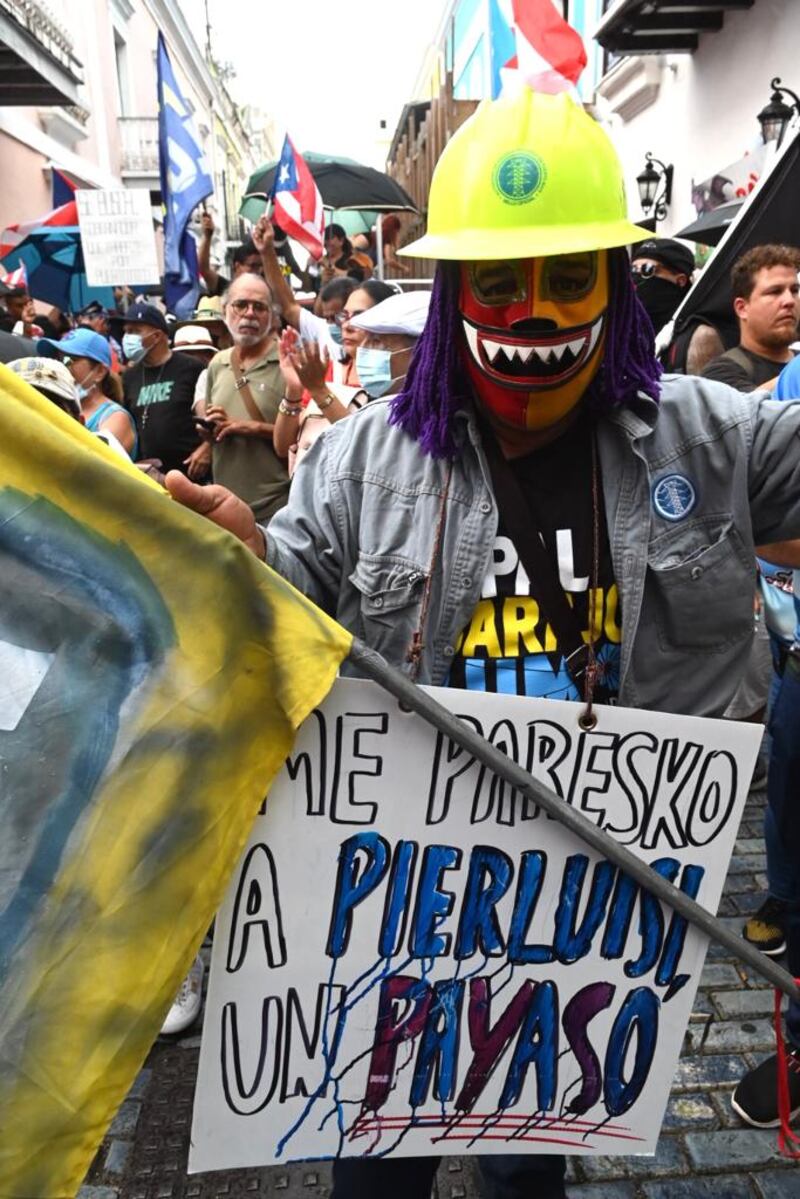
{"x":53,"y":259}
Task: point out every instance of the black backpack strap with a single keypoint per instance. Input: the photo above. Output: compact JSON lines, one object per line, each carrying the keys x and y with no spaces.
{"x":523,"y":526}
{"x":738,"y":355}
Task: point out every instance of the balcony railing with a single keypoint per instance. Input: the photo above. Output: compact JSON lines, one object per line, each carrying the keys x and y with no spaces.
{"x":37,"y":63}
{"x":138,"y":138}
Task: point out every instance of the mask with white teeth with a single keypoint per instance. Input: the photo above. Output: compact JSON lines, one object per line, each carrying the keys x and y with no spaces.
{"x":534,"y":330}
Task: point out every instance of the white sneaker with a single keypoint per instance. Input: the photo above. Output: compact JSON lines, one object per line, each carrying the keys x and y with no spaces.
{"x":187,"y":1003}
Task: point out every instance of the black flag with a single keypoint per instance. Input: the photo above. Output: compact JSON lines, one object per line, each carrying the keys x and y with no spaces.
{"x":772,"y":216}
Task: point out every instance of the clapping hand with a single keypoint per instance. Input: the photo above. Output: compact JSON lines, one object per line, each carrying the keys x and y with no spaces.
{"x":286,"y":345}
{"x":310,"y":362}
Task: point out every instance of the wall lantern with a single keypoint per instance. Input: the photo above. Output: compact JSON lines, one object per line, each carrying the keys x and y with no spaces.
{"x":776,"y":115}
{"x":655,"y":187}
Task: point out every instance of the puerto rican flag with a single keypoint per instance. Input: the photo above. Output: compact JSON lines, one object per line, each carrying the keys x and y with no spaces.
{"x":63,"y":188}
{"x":15,"y":278}
{"x":66,"y":214}
{"x":550,"y":53}
{"x":298,"y":204}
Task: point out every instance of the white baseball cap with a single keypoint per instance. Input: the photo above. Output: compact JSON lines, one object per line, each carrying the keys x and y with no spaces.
{"x":404,"y":313}
{"x":49,"y":376}
{"x":193,"y":339}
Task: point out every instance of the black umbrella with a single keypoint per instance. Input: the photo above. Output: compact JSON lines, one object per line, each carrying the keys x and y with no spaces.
{"x":771,"y":214}
{"x":342,"y":182}
{"x":710,"y":227}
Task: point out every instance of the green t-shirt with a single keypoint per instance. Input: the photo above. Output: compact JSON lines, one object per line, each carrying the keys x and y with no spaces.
{"x":249,"y":466}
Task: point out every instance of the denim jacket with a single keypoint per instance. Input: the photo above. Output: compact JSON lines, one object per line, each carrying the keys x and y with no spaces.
{"x":691,"y":485}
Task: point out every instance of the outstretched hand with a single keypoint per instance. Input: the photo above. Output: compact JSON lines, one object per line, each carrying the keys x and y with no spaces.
{"x":222,"y":507}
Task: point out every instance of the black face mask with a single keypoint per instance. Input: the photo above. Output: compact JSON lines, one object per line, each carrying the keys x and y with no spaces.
{"x":660,"y":298}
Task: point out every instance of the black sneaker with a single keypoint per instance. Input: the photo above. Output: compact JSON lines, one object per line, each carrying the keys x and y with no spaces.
{"x":766,"y":928}
{"x":756,"y":1097}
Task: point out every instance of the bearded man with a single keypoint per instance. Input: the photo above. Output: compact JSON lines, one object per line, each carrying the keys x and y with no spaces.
{"x":537,"y":512}
{"x":244,"y":391}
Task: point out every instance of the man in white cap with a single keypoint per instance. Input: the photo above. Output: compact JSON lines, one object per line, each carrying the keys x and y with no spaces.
{"x":392,"y":329}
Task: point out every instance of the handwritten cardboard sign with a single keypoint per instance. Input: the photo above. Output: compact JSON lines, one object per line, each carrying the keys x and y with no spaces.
{"x":119,"y":245}
{"x":414,"y":959}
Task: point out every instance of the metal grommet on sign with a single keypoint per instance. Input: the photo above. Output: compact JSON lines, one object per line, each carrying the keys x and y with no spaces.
{"x":587,"y":720}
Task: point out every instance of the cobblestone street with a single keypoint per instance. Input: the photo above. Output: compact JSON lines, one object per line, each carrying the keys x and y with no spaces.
{"x":704,"y":1150}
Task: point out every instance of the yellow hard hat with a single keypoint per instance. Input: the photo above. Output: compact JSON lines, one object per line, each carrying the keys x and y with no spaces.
{"x":525,"y":177}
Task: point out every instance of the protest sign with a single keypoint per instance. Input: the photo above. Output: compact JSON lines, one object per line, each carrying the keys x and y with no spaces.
{"x":413,"y":959}
{"x":119,"y":245}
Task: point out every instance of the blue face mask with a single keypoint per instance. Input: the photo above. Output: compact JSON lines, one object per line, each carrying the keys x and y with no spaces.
{"x":336,"y":333}
{"x":374,"y":369}
{"x":133,"y":347}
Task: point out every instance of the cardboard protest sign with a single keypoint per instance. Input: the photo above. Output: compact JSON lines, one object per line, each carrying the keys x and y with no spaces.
{"x":413,"y":959}
{"x":117,"y":237}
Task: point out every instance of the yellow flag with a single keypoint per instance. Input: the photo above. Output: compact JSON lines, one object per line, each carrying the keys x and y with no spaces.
{"x":152,"y":676}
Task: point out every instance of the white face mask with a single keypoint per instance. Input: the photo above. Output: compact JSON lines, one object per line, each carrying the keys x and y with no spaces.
{"x":86,"y":388}
{"x":133,"y":347}
{"x":374,"y":369}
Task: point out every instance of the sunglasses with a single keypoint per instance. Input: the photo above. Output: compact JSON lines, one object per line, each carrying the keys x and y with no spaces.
{"x":645,"y":271}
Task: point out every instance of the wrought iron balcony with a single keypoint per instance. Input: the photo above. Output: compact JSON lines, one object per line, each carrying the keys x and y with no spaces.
{"x":138,"y":138}
{"x":37,"y":63}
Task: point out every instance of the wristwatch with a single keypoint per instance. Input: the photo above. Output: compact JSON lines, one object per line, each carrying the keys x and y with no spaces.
{"x":288,"y":408}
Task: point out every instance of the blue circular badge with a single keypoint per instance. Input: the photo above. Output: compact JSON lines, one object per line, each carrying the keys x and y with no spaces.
{"x":674,"y":497}
{"x":518,"y":177}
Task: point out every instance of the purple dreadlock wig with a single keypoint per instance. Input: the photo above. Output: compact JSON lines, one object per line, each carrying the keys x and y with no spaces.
{"x":437,"y":386}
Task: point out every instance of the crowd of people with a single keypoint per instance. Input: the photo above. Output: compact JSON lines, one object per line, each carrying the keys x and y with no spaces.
{"x":392,"y":449}
{"x":239,"y":391}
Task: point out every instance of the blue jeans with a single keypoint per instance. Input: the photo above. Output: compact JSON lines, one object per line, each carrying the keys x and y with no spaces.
{"x":512,"y":1176}
{"x":782,"y":822}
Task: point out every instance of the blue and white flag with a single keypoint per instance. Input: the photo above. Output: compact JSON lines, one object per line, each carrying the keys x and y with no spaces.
{"x":185,"y":183}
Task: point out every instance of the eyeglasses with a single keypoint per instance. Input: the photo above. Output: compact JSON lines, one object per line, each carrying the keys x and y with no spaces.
{"x":259,"y":307}
{"x":342,"y":318}
{"x":646,"y":270}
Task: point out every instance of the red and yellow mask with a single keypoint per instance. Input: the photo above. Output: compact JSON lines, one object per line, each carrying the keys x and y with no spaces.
{"x":534,"y":333}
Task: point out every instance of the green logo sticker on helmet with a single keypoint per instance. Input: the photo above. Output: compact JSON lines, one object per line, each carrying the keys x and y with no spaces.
{"x":518,"y":177}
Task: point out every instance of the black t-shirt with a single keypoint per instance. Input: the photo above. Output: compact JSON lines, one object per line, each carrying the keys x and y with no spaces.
{"x":161,"y":398}
{"x":509,"y":645}
{"x":727,"y":369}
